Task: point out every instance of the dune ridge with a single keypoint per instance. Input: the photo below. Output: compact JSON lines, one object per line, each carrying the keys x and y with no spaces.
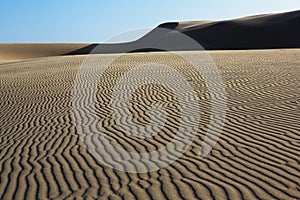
{"x":270,"y":31}
{"x":257,"y":155}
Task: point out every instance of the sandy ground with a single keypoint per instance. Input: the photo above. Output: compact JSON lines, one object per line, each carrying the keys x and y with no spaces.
{"x":257,"y":155}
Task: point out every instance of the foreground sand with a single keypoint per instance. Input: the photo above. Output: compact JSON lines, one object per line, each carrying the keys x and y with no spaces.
{"x":257,"y":156}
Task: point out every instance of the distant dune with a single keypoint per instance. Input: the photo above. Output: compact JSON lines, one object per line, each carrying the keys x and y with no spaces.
{"x":28,"y":51}
{"x":257,"y":32}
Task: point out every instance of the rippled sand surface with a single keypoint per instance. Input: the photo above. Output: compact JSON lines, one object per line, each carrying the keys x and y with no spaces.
{"x":257,"y":155}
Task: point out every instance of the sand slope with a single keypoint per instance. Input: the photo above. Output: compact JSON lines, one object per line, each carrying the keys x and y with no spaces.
{"x":257,"y":156}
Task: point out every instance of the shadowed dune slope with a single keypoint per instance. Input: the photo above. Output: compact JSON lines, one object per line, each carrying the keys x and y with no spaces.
{"x":256,"y":32}
{"x":28,"y":51}
{"x":256,"y":157}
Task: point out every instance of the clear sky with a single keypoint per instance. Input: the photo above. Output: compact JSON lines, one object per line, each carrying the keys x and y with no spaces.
{"x":82,"y":21}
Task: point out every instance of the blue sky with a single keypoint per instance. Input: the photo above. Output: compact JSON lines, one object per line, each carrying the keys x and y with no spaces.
{"x":82,"y":21}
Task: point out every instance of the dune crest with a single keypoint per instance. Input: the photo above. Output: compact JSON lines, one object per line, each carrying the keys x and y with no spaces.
{"x":271,"y":31}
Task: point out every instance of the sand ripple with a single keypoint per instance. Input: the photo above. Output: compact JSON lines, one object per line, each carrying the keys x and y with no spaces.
{"x":257,"y":155}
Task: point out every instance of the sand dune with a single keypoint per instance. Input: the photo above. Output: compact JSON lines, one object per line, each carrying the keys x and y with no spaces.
{"x":29,"y":51}
{"x":272,"y":31}
{"x":257,"y":156}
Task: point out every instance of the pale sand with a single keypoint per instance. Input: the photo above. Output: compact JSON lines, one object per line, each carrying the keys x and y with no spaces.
{"x":257,"y":155}
{"x":29,"y":51}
